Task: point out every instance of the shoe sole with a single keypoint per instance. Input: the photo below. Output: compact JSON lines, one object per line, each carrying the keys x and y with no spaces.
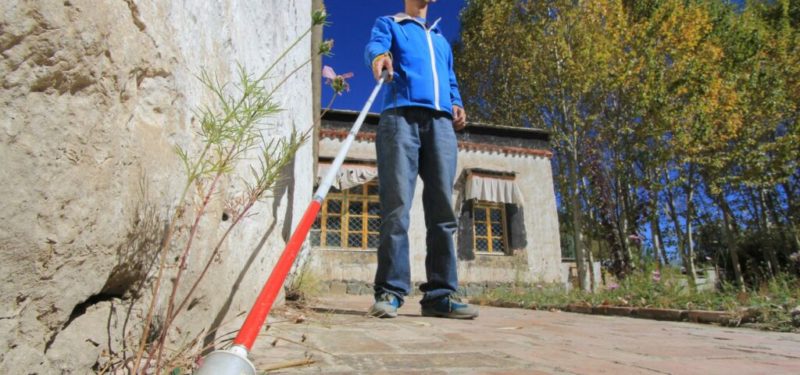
{"x":382,"y":314}
{"x":447,"y":315}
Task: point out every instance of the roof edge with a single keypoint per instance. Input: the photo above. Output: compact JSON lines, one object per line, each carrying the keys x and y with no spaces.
{"x":472,"y":127}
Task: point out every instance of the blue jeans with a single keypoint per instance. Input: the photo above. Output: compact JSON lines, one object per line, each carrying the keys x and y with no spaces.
{"x":415,"y":141}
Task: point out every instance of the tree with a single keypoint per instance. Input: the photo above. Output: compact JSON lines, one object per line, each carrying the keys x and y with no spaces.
{"x":666,"y":115}
{"x":543,"y":64}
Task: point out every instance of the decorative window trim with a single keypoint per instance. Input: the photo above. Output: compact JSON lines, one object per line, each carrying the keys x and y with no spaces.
{"x":492,"y":186}
{"x":352,"y":173}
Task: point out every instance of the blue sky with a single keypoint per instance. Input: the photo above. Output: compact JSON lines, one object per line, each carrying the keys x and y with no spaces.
{"x":351,"y":22}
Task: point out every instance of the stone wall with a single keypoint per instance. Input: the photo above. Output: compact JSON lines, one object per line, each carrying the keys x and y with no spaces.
{"x":94,"y":96}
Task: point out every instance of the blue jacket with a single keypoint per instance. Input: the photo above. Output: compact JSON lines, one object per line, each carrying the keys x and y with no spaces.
{"x":422,"y":61}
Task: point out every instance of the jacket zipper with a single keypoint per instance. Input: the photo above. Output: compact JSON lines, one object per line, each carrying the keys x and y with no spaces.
{"x":433,"y":62}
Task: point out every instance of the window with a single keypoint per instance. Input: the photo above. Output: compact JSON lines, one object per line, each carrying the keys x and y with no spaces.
{"x":349,"y":219}
{"x":489,"y":227}
{"x":491,"y":217}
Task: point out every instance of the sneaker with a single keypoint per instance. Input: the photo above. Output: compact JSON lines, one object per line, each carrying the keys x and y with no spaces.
{"x":449,"y":307}
{"x":385,"y":306}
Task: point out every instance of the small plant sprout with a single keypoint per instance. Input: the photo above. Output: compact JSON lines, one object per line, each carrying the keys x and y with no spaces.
{"x":319,"y":18}
{"x":325,"y":48}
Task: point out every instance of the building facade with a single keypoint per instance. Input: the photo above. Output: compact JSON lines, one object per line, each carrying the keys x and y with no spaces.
{"x":504,"y":200}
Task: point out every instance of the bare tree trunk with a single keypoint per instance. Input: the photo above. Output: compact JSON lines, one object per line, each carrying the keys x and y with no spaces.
{"x":791,"y":210}
{"x":655,"y":228}
{"x":781,"y":226}
{"x":610,"y":224}
{"x":752,"y":207}
{"x":592,"y":248}
{"x":664,"y":256}
{"x":730,"y":229}
{"x":656,"y":245}
{"x":690,"y":267}
{"x":669,"y":206}
{"x":577,"y":235}
{"x":655,"y":233}
{"x":593,"y":287}
{"x":681,"y":238}
{"x":571,"y":135}
{"x":622,"y":218}
{"x":640,"y":242}
{"x":772,"y":258}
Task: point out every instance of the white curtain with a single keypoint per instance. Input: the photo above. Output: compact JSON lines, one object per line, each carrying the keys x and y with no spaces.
{"x":493,"y":189}
{"x":349,"y":175}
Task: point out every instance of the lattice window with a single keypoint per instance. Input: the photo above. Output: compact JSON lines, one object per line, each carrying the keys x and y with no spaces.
{"x":489,"y":224}
{"x":349,"y":219}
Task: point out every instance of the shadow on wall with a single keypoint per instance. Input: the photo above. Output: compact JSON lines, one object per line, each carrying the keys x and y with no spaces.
{"x":137,"y":255}
{"x":123,"y":290}
{"x":284,"y":187}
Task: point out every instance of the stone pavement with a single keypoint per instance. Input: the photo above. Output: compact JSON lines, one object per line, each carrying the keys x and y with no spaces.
{"x":341,"y":339}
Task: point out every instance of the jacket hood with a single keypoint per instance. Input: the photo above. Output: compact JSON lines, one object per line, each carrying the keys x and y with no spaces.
{"x":399,"y":17}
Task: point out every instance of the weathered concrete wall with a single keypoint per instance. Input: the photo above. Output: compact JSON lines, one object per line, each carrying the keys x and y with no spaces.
{"x":344,"y":264}
{"x":540,"y":261}
{"x":94,"y":96}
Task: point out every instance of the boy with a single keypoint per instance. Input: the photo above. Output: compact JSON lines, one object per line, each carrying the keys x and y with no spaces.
{"x":422,"y":109}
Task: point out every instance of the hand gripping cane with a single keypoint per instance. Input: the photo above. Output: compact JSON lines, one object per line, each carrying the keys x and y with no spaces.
{"x":234,"y":360}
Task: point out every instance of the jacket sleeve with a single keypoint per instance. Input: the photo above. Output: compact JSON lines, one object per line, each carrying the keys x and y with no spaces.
{"x":379,"y":42}
{"x":455,"y":95}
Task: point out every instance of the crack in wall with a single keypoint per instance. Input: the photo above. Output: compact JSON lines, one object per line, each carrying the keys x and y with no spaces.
{"x":78,"y":311}
{"x":137,"y":19}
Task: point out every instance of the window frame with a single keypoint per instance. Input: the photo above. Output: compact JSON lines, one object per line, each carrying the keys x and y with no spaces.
{"x":488,"y":206}
{"x":346,"y":198}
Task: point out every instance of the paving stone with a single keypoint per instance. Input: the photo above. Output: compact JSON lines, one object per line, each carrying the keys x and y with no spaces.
{"x":341,"y":339}
{"x":725,"y":366}
{"x":395,"y":361}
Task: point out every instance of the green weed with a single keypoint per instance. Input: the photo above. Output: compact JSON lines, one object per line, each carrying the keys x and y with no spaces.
{"x":770,"y":304}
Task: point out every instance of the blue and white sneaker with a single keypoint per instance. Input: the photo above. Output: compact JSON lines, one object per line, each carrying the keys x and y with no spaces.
{"x":385,"y":306}
{"x":449,"y":307}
